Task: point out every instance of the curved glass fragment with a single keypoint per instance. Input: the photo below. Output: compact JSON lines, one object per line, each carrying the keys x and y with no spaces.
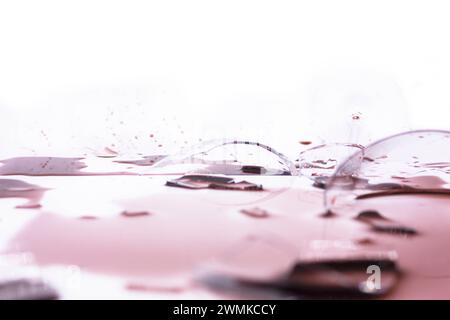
{"x":410,"y":162}
{"x":229,"y":157}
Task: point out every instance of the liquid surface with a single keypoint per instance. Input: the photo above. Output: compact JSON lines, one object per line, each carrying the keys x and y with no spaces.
{"x":156,"y":244}
{"x":116,"y":226}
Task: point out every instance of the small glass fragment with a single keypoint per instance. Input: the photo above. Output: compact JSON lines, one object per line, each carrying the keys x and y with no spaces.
{"x":196,"y":181}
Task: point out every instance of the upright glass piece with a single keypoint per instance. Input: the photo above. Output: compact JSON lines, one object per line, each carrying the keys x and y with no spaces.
{"x":321,"y":161}
{"x":408,"y":163}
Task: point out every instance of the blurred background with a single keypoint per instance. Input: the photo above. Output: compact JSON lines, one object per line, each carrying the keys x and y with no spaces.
{"x":152,"y":77}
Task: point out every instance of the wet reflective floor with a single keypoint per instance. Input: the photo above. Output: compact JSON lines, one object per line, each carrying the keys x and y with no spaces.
{"x":131,"y":236}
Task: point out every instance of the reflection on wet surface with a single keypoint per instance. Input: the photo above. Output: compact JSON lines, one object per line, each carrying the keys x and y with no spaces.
{"x":339,"y":277}
{"x":124,"y":222}
{"x":324,"y":268}
{"x":144,"y":161}
{"x":26,"y":289}
{"x":10,"y":188}
{"x":256,"y":212}
{"x":381,"y":224}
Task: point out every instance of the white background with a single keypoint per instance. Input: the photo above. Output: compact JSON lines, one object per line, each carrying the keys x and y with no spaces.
{"x":83,"y":75}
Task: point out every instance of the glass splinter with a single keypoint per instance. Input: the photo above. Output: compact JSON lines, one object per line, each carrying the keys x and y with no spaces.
{"x":212,"y":182}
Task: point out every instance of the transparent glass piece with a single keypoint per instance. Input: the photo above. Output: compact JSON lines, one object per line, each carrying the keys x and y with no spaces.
{"x":227,"y":157}
{"x":322,"y":161}
{"x":410,"y":162}
{"x":399,"y":190}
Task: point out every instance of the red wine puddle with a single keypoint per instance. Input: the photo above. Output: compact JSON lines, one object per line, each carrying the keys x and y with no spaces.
{"x":50,"y":166}
{"x":145,"y":161}
{"x":130,"y":245}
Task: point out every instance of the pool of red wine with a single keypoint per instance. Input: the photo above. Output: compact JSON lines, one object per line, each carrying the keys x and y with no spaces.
{"x":120,"y":223}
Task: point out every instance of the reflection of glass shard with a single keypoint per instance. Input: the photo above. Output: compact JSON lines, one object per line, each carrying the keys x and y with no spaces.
{"x":407,"y":163}
{"x":406,"y":178}
{"x":212,"y":182}
{"x":380,"y":223}
{"x":320,"y":162}
{"x":144,"y":161}
{"x":24,"y":289}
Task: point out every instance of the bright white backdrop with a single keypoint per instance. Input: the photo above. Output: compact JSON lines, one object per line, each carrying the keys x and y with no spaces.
{"x":152,"y":77}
